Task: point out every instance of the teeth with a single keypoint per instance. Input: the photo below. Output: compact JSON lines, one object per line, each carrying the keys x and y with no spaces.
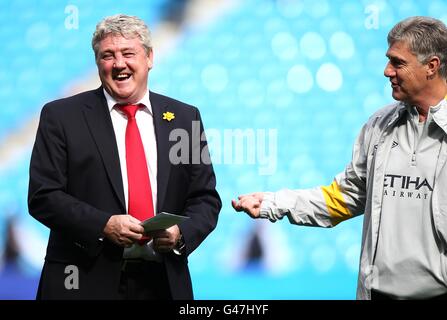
{"x":122,"y":76}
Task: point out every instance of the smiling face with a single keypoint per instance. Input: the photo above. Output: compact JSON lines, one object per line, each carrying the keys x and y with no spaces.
{"x":123,"y":67}
{"x":408,"y":77}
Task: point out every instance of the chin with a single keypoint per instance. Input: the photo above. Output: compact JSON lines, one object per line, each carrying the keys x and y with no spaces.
{"x":397,"y":96}
{"x":122,"y":95}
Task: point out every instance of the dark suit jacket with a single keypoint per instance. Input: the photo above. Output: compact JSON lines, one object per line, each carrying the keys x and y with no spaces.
{"x":76,"y":185}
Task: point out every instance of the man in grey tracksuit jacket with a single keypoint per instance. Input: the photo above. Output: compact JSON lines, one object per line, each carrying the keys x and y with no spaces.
{"x":397,"y":177}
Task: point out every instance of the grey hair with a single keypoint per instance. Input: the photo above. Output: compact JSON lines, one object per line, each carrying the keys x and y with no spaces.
{"x":425,"y":36}
{"x":127,"y":26}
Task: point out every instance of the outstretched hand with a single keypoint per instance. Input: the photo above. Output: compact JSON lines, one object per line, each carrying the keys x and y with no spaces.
{"x":249,"y":203}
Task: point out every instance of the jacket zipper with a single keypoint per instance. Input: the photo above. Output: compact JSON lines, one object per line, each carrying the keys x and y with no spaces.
{"x":417,"y":137}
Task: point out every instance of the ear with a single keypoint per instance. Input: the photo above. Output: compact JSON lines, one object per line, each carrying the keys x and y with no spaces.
{"x":433,"y":66}
{"x":150,"y":59}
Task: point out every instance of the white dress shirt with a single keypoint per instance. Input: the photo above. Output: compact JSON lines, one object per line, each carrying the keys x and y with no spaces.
{"x":144,"y":118}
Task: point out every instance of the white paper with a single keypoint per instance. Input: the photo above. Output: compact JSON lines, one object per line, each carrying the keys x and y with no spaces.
{"x":161,"y":221}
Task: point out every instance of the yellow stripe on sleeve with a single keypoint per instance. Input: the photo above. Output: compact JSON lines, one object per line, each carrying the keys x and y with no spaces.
{"x":335,"y":203}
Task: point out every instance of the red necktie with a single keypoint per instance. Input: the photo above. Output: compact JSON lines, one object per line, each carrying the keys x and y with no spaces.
{"x":140,"y":192}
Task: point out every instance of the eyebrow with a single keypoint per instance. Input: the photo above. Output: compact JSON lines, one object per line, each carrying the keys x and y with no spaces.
{"x":122,"y":49}
{"x":394,"y":58}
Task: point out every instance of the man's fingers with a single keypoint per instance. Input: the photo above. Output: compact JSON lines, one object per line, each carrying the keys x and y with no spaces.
{"x":136,"y":228}
{"x":132,"y":232}
{"x":133,"y":235}
{"x":135,"y":225}
{"x":124,"y":242}
{"x":132,"y":228}
{"x":236,"y":205}
{"x":250,"y":204}
{"x":163,"y":244}
{"x":159,"y":233}
{"x":133,"y":219}
{"x":127,"y":239}
{"x":124,"y":230}
{"x":246,"y":204}
{"x":246,"y":196}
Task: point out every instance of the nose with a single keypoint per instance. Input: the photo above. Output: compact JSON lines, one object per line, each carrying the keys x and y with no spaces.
{"x":119,"y":62}
{"x":389,"y":71}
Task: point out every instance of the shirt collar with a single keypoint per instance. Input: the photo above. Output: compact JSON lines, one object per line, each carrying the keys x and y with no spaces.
{"x":432,"y":109}
{"x":440,"y":105}
{"x":438,"y":112}
{"x":399,"y":111}
{"x":111,"y":102}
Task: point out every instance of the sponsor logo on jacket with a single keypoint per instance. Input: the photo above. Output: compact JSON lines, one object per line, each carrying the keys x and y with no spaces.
{"x":406,"y":186}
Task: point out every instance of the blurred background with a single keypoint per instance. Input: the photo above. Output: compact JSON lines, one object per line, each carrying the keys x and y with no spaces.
{"x":283,"y":86}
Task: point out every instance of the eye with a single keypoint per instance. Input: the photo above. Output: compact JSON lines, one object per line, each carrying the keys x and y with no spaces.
{"x":128,"y":54}
{"x":396,"y":63}
{"x":106,"y":56}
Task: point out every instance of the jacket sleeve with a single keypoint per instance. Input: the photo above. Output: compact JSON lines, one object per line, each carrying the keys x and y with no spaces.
{"x":203,"y":203}
{"x":48,"y":200}
{"x":324,"y":206}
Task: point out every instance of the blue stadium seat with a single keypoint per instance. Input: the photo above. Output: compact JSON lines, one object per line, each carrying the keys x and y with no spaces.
{"x":310,"y":69}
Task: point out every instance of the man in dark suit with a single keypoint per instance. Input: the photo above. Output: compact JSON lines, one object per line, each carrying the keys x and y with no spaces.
{"x":88,"y":188}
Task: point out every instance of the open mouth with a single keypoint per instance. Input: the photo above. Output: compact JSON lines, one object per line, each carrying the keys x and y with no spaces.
{"x":122,"y":77}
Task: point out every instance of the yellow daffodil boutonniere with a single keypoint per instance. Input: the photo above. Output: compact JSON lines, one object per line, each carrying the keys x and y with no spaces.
{"x":168,"y":116}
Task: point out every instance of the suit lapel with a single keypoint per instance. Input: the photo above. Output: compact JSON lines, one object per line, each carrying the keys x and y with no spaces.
{"x":100,"y":124}
{"x":162,"y":130}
